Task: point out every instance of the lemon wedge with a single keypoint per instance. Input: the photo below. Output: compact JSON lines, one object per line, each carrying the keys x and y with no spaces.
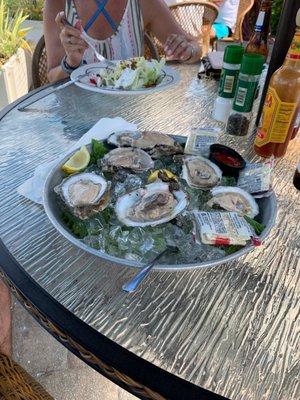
{"x":77,"y":162}
{"x":168,"y":174}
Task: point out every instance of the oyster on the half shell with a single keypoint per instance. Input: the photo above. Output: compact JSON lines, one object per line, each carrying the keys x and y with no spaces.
{"x":85,"y":194}
{"x":152,"y":205}
{"x":200,"y":173}
{"x":156,"y":143}
{"x":140,"y":139}
{"x":134,"y":159}
{"x":234,"y":199}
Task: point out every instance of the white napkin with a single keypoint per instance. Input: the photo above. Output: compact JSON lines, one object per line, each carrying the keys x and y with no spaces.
{"x":33,"y":188}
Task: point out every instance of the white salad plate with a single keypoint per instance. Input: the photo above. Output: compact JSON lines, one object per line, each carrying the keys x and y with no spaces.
{"x":81,"y":76}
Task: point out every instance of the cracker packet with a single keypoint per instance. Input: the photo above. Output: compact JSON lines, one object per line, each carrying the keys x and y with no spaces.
{"x":222,"y":228}
{"x":200,"y":140}
{"x":256,"y":178}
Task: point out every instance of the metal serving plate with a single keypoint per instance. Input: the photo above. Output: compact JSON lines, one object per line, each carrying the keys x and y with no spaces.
{"x":267,"y":215}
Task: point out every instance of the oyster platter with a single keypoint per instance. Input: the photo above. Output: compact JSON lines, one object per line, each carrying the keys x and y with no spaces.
{"x":126,"y":198}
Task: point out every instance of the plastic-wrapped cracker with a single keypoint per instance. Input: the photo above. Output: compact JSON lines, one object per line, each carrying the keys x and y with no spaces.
{"x":222,"y":228}
{"x":200,"y":140}
{"x":256,"y":177}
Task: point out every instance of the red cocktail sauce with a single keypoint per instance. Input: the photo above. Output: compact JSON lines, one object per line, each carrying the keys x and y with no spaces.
{"x":227,"y":159}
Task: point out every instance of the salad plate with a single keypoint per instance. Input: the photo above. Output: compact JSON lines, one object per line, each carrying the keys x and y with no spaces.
{"x":129,"y":77}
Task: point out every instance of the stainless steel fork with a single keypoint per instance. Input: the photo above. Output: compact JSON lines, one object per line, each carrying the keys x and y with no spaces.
{"x":99,"y":56}
{"x":140,"y":276}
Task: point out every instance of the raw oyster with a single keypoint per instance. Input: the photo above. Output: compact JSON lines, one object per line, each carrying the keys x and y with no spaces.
{"x":142,"y":140}
{"x":85,"y":194}
{"x":200,"y":173}
{"x":234,"y":199}
{"x":156,"y":143}
{"x":162,"y":150}
{"x":130,"y":158}
{"x":152,"y":205}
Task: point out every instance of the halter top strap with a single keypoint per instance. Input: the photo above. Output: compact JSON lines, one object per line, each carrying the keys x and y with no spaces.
{"x":127,"y":40}
{"x":101,"y":4}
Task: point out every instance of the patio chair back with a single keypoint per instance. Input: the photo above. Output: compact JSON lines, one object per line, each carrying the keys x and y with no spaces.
{"x":244,"y":7}
{"x":39,"y":64}
{"x":192,"y":15}
{"x":196,"y":18}
{"x":39,"y":60}
{"x":17,"y":384}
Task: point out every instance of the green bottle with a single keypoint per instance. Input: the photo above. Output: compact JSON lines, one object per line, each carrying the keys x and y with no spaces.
{"x":240,"y":116}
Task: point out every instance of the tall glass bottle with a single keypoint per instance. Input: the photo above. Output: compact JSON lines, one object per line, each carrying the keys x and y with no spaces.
{"x":258,"y":42}
{"x":281,"y":104}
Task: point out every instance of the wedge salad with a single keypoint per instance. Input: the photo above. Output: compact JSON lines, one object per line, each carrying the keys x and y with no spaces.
{"x":130,"y":74}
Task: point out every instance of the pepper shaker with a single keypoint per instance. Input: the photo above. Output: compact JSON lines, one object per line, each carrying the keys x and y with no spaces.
{"x":240,"y":116}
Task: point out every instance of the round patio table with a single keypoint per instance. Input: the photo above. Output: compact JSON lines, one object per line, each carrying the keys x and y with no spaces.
{"x":231,"y":331}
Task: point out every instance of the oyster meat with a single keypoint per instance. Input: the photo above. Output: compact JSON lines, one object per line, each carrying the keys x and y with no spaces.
{"x":142,"y":140}
{"x":136,"y":160}
{"x":234,"y":199}
{"x":156,"y":143}
{"x":85,"y":194}
{"x":152,"y":205}
{"x":201,"y":173}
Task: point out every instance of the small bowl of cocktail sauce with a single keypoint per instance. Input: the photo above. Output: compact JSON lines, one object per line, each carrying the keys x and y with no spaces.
{"x":227,"y":159}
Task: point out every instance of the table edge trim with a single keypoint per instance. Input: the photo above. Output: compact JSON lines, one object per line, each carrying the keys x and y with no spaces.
{"x":118,"y":364}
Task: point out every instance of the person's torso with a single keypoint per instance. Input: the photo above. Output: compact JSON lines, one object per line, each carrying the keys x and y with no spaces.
{"x":126,"y":42}
{"x":228,"y":13}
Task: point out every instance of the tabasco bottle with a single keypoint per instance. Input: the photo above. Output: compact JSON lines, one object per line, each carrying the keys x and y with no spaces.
{"x":258,"y":42}
{"x":281,"y":104}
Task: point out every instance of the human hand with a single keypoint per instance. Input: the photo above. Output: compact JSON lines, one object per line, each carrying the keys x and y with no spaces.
{"x":71,"y":40}
{"x":178,"y":47}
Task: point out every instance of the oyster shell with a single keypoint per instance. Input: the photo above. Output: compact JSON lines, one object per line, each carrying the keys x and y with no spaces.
{"x":234,"y":199}
{"x":85,"y":194}
{"x":130,"y":158}
{"x":200,"y":173}
{"x":152,"y":205}
{"x":142,"y":140}
{"x":156,"y":143}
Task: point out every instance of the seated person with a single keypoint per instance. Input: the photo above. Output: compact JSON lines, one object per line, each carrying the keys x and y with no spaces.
{"x":116,"y":28}
{"x":224,"y":24}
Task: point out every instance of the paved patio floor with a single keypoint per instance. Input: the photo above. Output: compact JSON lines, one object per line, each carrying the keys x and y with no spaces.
{"x":62,"y":374}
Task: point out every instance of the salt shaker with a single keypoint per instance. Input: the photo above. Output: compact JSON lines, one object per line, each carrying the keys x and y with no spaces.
{"x":228,"y":81}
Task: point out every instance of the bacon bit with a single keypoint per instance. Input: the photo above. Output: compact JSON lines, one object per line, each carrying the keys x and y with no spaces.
{"x":219,"y":241}
{"x":255,"y":241}
{"x":93,"y":81}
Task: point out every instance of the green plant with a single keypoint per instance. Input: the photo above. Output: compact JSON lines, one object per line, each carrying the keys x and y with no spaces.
{"x":11,"y":33}
{"x":32,"y":8}
{"x":276,"y":11}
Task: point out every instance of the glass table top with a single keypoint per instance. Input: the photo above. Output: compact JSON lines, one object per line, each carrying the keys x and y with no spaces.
{"x":232,"y":329}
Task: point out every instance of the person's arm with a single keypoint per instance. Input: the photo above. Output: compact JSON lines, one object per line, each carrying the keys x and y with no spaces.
{"x":60,"y":40}
{"x":177,"y":44}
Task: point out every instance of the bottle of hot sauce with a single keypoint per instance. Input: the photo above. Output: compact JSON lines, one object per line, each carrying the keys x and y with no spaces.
{"x":258,"y":42}
{"x":281,"y":103}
